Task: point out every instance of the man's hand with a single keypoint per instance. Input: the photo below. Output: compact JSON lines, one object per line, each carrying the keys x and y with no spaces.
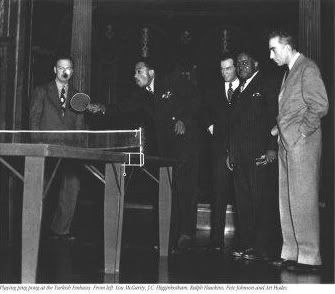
{"x":95,"y":108}
{"x":229,"y":164}
{"x":179,"y":128}
{"x":274,"y":131}
{"x":261,"y":161}
{"x":210,"y":129}
{"x":270,"y":155}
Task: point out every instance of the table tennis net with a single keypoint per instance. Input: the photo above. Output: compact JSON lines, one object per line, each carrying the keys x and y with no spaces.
{"x":126,"y":141}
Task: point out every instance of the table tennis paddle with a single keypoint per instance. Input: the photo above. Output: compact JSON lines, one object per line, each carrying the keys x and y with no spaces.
{"x":79,"y":102}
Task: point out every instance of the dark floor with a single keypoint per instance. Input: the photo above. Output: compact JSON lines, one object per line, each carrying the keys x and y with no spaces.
{"x":82,"y":261}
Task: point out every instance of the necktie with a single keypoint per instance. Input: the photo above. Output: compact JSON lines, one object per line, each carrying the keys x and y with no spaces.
{"x":230,"y":92}
{"x":242,"y":86}
{"x":286,"y":74}
{"x":62,"y":99}
{"x":149,"y":89}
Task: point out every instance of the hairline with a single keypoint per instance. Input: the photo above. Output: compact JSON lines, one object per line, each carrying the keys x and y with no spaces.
{"x":65,"y":58}
{"x":227,"y":58}
{"x":284,"y":38}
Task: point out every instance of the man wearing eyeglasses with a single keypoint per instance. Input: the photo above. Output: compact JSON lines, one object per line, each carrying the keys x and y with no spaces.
{"x":50,"y":110}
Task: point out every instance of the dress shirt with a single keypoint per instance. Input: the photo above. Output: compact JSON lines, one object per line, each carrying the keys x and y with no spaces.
{"x":150,"y":87}
{"x":60,"y":86}
{"x":293,"y":60}
{"x":235,"y":84}
{"x":248,"y":81}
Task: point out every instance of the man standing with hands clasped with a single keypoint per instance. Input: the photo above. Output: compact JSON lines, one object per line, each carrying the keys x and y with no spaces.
{"x":302,"y":103}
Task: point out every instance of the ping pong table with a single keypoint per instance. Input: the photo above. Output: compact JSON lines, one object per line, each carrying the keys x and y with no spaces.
{"x":33,"y":179}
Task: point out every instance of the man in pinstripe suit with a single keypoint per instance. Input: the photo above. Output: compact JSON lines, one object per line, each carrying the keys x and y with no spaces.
{"x":252,"y":150}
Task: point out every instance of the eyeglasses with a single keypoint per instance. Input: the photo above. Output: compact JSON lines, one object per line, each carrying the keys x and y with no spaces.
{"x":64,"y":68}
{"x":230,"y":68}
{"x":243,"y":62}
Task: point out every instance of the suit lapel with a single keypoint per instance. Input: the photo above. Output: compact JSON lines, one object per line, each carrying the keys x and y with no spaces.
{"x":223,"y":94}
{"x":284,"y":79}
{"x":71,"y":91}
{"x":249,"y":88}
{"x":295,"y":67}
{"x":54,"y":97}
{"x":53,"y":94}
{"x":157,"y":88}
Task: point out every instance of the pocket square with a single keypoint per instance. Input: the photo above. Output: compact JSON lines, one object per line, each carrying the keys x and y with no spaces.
{"x":257,"y":95}
{"x":167,"y":94}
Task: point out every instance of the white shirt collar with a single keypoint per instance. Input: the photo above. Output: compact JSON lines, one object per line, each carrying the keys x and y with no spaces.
{"x":293,"y":60}
{"x":151,"y":86}
{"x":235,"y":84}
{"x":60,"y":86}
{"x":247,"y":82}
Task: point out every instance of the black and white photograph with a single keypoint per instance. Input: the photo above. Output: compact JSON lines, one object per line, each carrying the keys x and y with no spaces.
{"x":166,"y":145}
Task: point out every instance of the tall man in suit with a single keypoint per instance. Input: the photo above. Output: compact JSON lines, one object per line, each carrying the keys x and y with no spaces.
{"x":167,"y":108}
{"x":302,"y":103}
{"x":219,"y":100}
{"x":50,"y":110}
{"x":251,"y":152}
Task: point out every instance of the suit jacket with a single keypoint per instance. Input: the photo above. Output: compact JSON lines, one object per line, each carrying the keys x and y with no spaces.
{"x":217,"y":112}
{"x":302,"y":102}
{"x":252,"y":117}
{"x":46,"y":114}
{"x":174,"y":99}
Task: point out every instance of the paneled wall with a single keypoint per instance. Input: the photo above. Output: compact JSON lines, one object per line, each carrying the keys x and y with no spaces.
{"x":15,"y":44}
{"x":33,"y":31}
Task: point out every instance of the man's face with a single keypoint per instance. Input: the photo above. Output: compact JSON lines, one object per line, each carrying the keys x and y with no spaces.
{"x":228,"y":70}
{"x":63,"y":70}
{"x":143,"y":75}
{"x":278,"y":51}
{"x":246,"y":66}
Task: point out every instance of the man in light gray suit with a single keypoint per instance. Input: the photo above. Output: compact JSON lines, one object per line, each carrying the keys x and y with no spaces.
{"x":302,"y":103}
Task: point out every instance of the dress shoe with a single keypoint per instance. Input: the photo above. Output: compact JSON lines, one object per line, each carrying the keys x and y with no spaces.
{"x":304,"y":268}
{"x":237,"y":253}
{"x":282,"y":263}
{"x":250,"y":254}
{"x":62,"y":237}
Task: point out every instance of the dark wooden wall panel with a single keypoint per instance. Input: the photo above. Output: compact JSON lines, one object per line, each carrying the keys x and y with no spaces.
{"x":15,"y":45}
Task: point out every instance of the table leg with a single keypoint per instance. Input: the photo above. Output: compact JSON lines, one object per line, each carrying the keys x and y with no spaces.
{"x":113,"y":216}
{"x":163,"y":270}
{"x":164,"y":209}
{"x":31,"y":216}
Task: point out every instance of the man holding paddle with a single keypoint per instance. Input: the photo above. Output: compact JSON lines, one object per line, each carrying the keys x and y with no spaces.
{"x":167,"y":107}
